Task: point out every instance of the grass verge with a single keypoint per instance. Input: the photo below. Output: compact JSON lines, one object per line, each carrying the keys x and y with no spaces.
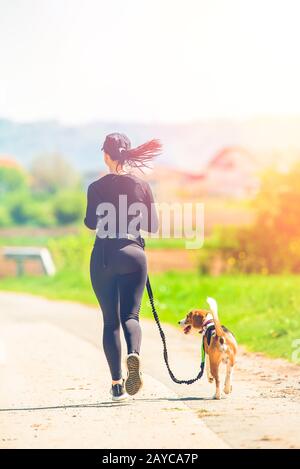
{"x":262,"y":311}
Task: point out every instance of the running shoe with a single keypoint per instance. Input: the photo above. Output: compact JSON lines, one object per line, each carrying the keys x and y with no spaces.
{"x":133,"y":382}
{"x":118,"y":392}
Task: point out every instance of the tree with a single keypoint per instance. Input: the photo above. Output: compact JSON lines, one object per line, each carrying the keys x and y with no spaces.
{"x":272,"y":243}
{"x":52,"y":172}
{"x":11,"y":180}
{"x":278,"y":204}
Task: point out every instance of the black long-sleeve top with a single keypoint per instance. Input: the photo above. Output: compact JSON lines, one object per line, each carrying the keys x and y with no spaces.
{"x":108,"y":189}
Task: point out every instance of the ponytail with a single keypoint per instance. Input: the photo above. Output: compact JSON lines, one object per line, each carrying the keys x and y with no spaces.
{"x":142,"y":155}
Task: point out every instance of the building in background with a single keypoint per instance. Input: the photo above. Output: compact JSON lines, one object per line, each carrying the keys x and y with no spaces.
{"x":232,"y":173}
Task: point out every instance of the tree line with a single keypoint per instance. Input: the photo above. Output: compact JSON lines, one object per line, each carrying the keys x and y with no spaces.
{"x":50,"y":193}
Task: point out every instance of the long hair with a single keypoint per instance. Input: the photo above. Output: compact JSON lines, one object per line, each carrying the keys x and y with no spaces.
{"x":141,"y":156}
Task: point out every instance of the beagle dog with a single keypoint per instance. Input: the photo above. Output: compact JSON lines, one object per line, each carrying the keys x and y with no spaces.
{"x":219,"y":343}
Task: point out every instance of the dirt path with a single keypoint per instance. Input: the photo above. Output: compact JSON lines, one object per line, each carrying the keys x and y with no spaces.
{"x":54,"y":388}
{"x":54,"y":384}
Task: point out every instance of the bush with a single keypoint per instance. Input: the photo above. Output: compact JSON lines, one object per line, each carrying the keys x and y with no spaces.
{"x":272,"y":243}
{"x":72,"y":253}
{"x":69,"y":207}
{"x":5,"y":219}
{"x":27,"y":211}
{"x":219,"y":252}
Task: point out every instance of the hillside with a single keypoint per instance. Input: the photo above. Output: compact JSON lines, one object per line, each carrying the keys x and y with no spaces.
{"x":186,"y":145}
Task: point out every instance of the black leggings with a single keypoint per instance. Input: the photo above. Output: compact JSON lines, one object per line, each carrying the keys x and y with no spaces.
{"x":118,"y":270}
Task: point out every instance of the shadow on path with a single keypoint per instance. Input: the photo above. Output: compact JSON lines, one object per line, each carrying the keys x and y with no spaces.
{"x":104,"y":404}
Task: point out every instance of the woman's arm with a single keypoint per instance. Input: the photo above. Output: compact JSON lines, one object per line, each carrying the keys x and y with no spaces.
{"x":90,"y":219}
{"x":152,"y":222}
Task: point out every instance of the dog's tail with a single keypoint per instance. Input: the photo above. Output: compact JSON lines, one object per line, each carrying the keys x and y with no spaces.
{"x":213,"y":306}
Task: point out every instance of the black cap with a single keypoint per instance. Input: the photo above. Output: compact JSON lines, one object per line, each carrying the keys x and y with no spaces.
{"x":114,"y":142}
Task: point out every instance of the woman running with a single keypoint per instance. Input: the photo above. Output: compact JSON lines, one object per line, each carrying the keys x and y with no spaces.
{"x":119,"y":204}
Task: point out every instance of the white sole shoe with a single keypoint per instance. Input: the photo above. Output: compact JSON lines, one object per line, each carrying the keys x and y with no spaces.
{"x":133,"y":382}
{"x":120,"y":398}
{"x":118,"y":393}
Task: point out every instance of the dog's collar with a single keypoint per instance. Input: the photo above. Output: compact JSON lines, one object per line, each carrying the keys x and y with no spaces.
{"x":207,"y":325}
{"x":209,"y":321}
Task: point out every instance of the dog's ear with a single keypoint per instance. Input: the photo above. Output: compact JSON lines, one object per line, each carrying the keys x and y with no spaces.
{"x":189,"y":318}
{"x":197,"y":319}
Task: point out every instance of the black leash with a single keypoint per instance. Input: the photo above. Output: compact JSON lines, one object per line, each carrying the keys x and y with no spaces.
{"x":163,"y":338}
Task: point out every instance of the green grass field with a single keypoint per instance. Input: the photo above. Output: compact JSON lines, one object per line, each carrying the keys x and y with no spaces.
{"x":262,"y":311}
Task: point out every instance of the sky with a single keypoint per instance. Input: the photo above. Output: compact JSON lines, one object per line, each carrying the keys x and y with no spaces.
{"x":155,"y":61}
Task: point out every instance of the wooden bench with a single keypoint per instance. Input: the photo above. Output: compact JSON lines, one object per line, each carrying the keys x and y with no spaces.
{"x":21,"y":254}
